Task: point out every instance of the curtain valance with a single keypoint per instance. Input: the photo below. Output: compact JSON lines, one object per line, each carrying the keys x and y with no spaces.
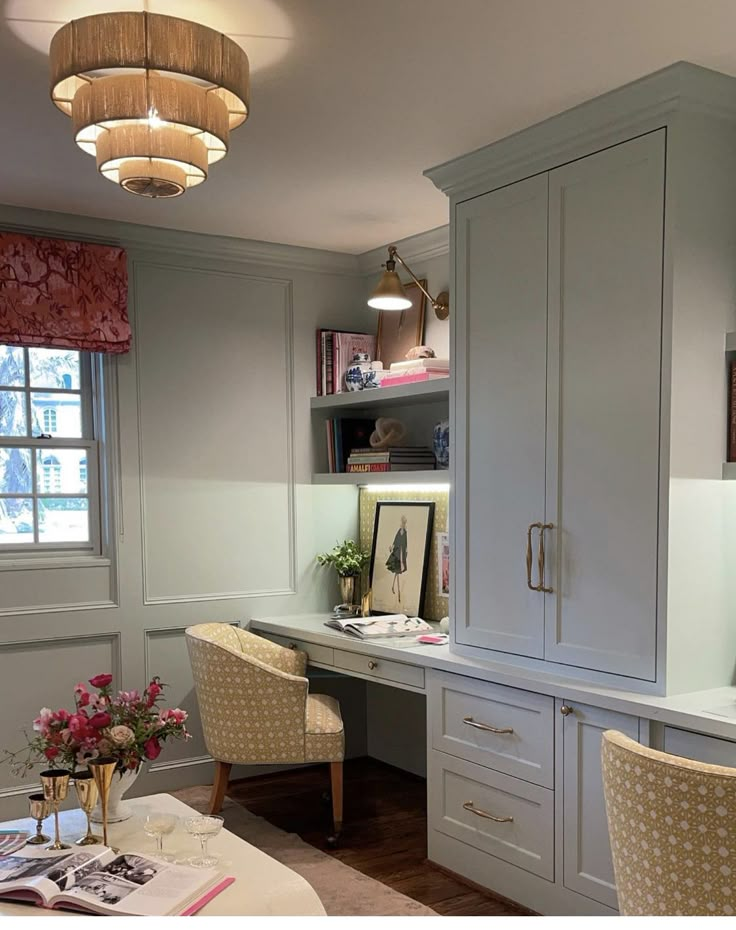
{"x":59,"y":293}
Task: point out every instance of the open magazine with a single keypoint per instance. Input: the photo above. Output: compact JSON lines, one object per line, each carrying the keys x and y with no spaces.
{"x":100,"y":881}
{"x":389,"y":625}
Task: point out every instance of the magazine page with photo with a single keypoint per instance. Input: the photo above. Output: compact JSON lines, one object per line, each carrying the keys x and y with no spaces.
{"x":103,"y":882}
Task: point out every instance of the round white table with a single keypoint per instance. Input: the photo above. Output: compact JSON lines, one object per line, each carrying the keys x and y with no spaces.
{"x":262,"y":887}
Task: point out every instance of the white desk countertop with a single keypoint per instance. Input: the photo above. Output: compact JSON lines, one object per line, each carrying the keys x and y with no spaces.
{"x":262,"y":887}
{"x":703,"y":711}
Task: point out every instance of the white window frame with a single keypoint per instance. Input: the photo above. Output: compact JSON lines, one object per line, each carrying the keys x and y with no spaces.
{"x":92,"y":416}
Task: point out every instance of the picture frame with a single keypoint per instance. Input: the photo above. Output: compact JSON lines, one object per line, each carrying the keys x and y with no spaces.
{"x":443,"y":564}
{"x":399,"y":331}
{"x":402,"y":536}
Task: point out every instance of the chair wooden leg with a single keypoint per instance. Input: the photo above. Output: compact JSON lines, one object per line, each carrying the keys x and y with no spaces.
{"x":336,"y":786}
{"x":222,"y":777}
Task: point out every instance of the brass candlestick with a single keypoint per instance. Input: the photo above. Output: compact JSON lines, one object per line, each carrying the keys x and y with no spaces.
{"x":86,"y":788}
{"x":103,"y":769}
{"x":55,"y":783}
{"x":39,"y":809}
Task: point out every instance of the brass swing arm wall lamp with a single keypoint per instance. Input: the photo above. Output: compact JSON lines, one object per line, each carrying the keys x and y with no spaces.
{"x":390,"y":293}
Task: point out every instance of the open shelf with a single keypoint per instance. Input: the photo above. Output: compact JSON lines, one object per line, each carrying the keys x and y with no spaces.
{"x":432,"y":476}
{"x":428,"y":392}
{"x":729,"y":471}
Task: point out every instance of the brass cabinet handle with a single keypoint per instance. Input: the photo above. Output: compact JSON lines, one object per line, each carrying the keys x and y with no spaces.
{"x":372,"y":665}
{"x":566,"y":710}
{"x":529,"y":584}
{"x":469,"y":806}
{"x":540,"y":558}
{"x":485,"y":726}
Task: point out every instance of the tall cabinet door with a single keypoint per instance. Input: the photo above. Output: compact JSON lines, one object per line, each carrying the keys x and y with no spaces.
{"x":499,"y":424}
{"x":605,"y":329}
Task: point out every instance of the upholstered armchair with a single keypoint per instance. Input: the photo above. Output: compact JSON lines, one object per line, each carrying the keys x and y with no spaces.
{"x":256,"y":708}
{"x":672,"y":828}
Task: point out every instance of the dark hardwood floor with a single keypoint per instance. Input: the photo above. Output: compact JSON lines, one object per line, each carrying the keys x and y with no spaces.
{"x":384,"y":834}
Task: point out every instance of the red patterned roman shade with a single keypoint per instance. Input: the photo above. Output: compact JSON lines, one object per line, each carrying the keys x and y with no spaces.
{"x":58,"y":293}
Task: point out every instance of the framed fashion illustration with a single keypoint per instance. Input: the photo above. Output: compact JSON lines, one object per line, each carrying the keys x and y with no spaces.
{"x":402,"y":534}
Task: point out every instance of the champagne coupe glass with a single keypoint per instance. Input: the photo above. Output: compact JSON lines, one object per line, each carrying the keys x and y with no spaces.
{"x":204,"y":826}
{"x":160,"y":824}
{"x":84,"y":782}
{"x":39,"y":810}
{"x":55,"y":783}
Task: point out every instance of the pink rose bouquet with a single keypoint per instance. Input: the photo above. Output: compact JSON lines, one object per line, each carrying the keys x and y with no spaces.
{"x":128,"y":726}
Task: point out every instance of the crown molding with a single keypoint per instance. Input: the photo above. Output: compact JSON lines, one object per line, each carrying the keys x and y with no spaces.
{"x":640,"y":106}
{"x":418,"y":248}
{"x":183,"y":244}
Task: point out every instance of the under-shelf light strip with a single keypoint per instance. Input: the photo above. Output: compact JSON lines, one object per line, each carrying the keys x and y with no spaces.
{"x":419,"y":488}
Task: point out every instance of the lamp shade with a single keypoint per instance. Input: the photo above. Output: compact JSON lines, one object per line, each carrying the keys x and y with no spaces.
{"x":390,"y":293}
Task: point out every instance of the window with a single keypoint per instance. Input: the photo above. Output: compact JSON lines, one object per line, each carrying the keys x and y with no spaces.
{"x":49,"y":420}
{"x":48,"y":486}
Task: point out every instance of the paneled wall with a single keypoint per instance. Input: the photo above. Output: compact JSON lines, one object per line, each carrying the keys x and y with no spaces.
{"x":213,"y":515}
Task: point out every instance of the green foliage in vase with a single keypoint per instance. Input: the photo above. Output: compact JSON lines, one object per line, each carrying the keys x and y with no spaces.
{"x":347,"y":557}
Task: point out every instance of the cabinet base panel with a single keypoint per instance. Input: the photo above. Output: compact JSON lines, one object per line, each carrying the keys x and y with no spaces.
{"x":508,"y":881}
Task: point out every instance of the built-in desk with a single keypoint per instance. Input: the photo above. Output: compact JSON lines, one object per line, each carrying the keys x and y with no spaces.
{"x":524,"y":745}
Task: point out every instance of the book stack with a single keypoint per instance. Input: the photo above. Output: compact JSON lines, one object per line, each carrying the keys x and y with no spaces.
{"x":335,"y":351}
{"x":416,"y":370}
{"x":343,"y":434}
{"x":399,"y":458}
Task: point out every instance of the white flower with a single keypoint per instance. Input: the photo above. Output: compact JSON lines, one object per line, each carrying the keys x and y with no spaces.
{"x":121,"y":735}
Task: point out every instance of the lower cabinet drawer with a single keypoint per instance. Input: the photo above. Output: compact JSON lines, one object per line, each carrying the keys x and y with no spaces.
{"x":315,"y":653}
{"x":381,"y":669}
{"x":504,"y":728}
{"x":500,"y":815}
{"x":700,"y":747}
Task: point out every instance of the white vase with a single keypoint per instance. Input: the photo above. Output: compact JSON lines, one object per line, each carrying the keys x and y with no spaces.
{"x":117,"y":809}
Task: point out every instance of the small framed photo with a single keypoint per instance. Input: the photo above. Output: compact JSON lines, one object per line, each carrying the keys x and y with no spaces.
{"x":402,"y":534}
{"x":399,"y":332}
{"x":443,"y":564}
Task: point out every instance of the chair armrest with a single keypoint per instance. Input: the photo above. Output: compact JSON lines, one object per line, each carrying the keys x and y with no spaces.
{"x":291,"y":661}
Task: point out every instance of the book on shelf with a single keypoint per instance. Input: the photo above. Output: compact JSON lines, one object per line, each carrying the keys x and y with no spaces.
{"x":732,"y":413}
{"x":419,"y":456}
{"x":412,"y":377}
{"x":420,"y":364}
{"x":367,"y":467}
{"x":343,"y":433}
{"x":97,"y":880}
{"x":335,"y":351}
{"x":371,"y":627}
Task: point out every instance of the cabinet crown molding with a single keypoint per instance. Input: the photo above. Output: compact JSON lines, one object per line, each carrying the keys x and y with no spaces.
{"x":640,"y":106}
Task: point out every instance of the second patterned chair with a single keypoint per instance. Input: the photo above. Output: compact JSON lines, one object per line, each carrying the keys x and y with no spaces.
{"x":256,"y":708}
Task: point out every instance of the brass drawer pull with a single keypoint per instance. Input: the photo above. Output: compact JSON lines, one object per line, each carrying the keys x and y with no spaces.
{"x":485,"y":726}
{"x":529,"y":584}
{"x":566,"y":710}
{"x":540,"y":557}
{"x":469,"y":806}
{"x":372,"y":665}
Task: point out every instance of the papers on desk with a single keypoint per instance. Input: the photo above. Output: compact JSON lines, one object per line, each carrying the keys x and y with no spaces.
{"x":374,"y":627}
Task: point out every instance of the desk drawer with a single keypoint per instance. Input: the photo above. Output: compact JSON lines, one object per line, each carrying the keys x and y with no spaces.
{"x":698,"y":746}
{"x":380,"y":669}
{"x":315,"y":652}
{"x":464,"y":797}
{"x":472,"y":719}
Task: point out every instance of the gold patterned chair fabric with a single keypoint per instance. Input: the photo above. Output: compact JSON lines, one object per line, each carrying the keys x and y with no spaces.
{"x":256,"y":708}
{"x":672,"y":824}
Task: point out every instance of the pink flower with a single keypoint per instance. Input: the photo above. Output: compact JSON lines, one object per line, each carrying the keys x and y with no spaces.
{"x":78,"y":724}
{"x":129,"y":697}
{"x":152,"y":692}
{"x":42,"y":723}
{"x":100,"y":720}
{"x":61,"y":716}
{"x":173,"y":715}
{"x":51,"y":752}
{"x":101,"y":681}
{"x":152,"y":748}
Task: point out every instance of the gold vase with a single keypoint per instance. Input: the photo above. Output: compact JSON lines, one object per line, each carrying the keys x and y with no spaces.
{"x":103,"y":769}
{"x":55,"y":784}
{"x":86,"y":788}
{"x":347,"y":589}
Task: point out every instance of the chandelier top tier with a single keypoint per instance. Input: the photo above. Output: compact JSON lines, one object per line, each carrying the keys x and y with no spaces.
{"x":152,"y":97}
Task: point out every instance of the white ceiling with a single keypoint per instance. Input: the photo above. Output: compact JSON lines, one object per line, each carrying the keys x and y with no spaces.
{"x":351,"y":101}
